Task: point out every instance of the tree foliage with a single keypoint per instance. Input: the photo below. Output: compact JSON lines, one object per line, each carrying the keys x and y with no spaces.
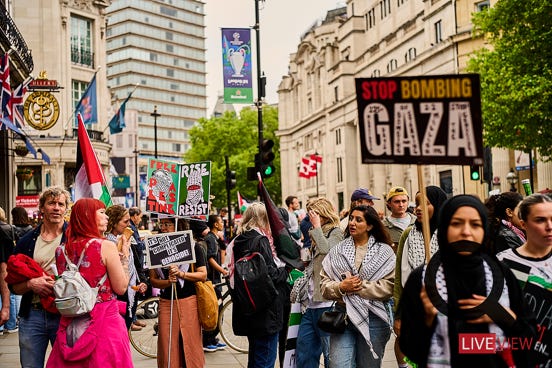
{"x":516,"y":75}
{"x":237,"y":138}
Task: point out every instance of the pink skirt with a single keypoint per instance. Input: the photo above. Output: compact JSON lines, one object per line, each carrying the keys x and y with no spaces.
{"x":105,"y":342}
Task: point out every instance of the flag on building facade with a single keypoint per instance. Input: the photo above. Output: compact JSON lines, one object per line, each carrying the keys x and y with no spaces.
{"x":17,"y":103}
{"x":5,"y":92}
{"x":89,"y":181}
{"x":309,"y":166}
{"x":117,"y":122}
{"x":243,"y":203}
{"x":286,"y":248}
{"x":87,"y":106}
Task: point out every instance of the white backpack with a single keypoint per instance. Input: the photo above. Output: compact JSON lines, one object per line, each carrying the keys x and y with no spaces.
{"x":74,"y":296}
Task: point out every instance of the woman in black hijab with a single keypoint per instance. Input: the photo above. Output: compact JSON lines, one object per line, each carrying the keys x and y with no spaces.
{"x":462,"y":290}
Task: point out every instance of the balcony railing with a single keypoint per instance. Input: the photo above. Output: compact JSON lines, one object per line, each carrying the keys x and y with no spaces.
{"x":11,"y":35}
{"x":82,"y":57}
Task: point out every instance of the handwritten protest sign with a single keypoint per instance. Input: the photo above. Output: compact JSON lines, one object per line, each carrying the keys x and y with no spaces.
{"x":170,"y":249}
{"x":195,"y":186}
{"x":420,"y":120}
{"x":162,"y":189}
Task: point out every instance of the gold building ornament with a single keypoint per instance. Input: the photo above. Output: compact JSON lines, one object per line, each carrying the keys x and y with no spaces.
{"x":41,"y":110}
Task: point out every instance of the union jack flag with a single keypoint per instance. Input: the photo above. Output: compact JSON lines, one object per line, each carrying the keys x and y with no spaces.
{"x":5,"y":93}
{"x":17,"y":103}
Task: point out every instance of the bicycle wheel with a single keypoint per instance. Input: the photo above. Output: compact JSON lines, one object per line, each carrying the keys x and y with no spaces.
{"x":145,"y":340}
{"x":238,"y":343}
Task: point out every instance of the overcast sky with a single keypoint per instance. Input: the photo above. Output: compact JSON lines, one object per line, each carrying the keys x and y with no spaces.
{"x":281,"y":24}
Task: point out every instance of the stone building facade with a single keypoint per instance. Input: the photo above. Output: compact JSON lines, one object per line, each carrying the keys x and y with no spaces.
{"x":317,"y":99}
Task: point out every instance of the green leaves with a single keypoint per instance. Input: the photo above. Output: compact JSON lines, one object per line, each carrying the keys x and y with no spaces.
{"x":516,"y":75}
{"x":235,"y":137}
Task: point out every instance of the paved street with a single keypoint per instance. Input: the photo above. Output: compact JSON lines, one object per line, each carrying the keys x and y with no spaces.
{"x":9,"y":356}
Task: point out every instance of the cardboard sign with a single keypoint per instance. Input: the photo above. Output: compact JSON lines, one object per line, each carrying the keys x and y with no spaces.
{"x":195,"y":186}
{"x":420,"y":120}
{"x":169,"y":249}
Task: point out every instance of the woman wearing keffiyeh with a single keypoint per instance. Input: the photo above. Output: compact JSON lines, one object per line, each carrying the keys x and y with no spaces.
{"x":359,"y":274}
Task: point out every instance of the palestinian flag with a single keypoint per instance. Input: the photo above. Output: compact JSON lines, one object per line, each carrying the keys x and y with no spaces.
{"x":286,"y":248}
{"x":89,"y":181}
{"x":243,"y":203}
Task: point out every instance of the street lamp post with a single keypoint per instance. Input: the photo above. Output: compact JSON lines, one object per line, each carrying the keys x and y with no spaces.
{"x":155,"y":116}
{"x":512,"y":179}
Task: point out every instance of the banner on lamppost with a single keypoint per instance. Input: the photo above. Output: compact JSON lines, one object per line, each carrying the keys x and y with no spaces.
{"x":195,"y":187}
{"x":236,"y":65}
{"x":420,"y":120}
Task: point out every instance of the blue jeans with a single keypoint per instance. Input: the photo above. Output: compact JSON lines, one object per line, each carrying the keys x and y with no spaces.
{"x":350,"y":350}
{"x":262,"y":351}
{"x":15,"y":302}
{"x":35,"y":331}
{"x":312,"y":341}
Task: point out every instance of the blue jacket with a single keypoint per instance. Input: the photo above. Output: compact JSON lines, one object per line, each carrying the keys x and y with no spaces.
{"x":26,"y":245}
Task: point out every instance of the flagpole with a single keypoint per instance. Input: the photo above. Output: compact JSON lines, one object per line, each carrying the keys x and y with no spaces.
{"x":317,"y":195}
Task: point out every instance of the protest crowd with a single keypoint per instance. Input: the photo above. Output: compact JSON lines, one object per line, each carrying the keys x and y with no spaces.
{"x":313,"y":286}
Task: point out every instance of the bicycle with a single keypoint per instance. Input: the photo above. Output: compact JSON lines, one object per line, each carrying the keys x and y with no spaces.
{"x":145,"y":340}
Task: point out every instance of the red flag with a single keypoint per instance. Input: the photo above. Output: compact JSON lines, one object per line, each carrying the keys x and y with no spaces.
{"x":286,"y":248}
{"x":316,"y":157}
{"x":89,"y":181}
{"x":305,"y":171}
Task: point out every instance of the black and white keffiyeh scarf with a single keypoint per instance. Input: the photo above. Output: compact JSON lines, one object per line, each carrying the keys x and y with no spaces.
{"x":378,"y":262}
{"x":416,"y":247}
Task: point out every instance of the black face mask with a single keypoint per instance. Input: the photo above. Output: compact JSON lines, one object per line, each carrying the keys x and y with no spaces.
{"x":465,"y":246}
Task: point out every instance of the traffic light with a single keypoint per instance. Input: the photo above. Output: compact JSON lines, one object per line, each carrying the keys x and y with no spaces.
{"x":230,"y":179}
{"x":474,"y":172}
{"x":266,"y":157}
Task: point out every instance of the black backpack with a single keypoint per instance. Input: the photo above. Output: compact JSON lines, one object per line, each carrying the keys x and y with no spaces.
{"x":253,"y":289}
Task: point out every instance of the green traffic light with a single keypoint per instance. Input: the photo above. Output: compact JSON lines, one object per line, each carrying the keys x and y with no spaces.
{"x":268,"y":170}
{"x":475,"y":175}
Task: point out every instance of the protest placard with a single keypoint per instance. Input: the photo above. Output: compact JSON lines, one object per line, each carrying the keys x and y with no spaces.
{"x":169,"y":249}
{"x":420,"y":120}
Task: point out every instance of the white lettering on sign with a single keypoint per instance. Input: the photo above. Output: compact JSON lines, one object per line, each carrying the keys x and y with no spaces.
{"x":380,"y":141}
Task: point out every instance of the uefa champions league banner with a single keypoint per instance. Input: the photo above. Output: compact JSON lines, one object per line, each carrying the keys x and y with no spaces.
{"x":236,"y":65}
{"x":181,"y":190}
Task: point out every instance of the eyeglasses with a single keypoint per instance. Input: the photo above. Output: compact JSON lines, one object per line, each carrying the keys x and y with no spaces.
{"x":166,"y":224}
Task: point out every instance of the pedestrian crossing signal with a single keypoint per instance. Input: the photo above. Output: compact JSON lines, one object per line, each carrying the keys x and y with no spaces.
{"x":475,"y":173}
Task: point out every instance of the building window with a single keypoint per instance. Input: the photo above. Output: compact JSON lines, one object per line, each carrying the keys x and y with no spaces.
{"x":78,"y":89}
{"x":445,"y":181}
{"x":339,"y":168}
{"x":169,"y":36}
{"x":168,"y":11}
{"x":375,"y":74}
{"x":392,"y":65}
{"x":483,"y":5}
{"x":81,"y":42}
{"x":174,"y":86}
{"x":170,"y":73}
{"x":337,"y":137}
{"x":410,"y":54}
{"x":153,"y":57}
{"x":400,"y":2}
{"x":177,"y":147}
{"x":438,"y":32}
{"x":336,"y":93}
{"x":169,"y":48}
{"x":371,"y":18}
{"x":385,"y":8}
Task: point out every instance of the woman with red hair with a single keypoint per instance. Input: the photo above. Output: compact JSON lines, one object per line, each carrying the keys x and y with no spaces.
{"x":97,"y":339}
